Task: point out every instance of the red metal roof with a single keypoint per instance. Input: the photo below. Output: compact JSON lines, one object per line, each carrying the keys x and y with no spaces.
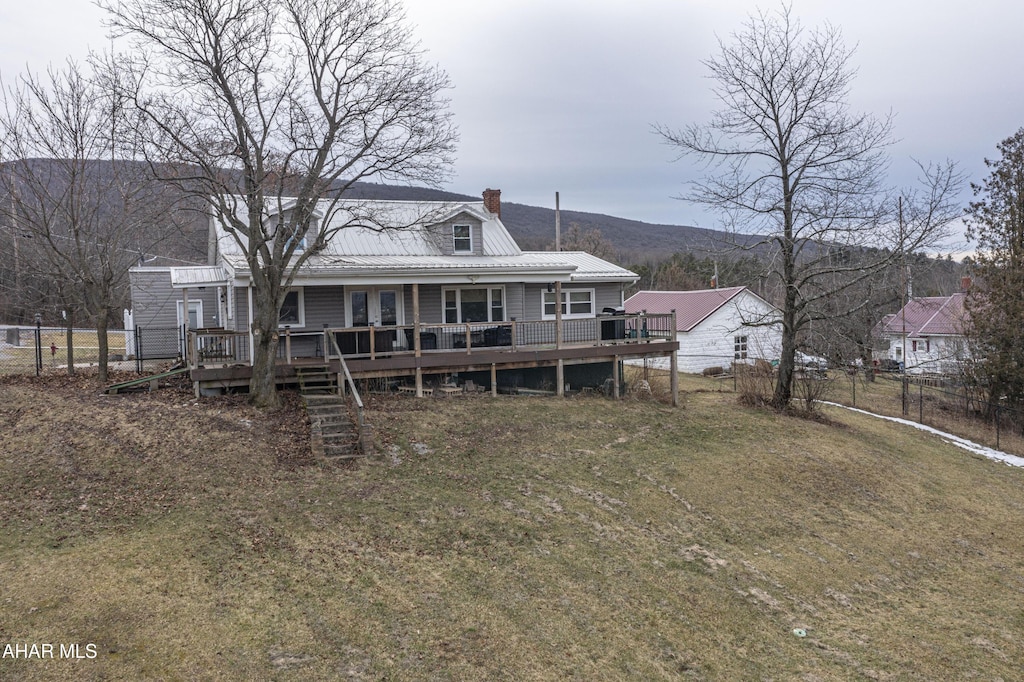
{"x":928,"y":316}
{"x":691,"y":306}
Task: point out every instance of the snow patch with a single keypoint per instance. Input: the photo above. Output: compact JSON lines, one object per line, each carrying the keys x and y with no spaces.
{"x":963,"y":443}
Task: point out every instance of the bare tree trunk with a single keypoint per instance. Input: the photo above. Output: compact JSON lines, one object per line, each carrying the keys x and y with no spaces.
{"x":784,"y":381}
{"x":103,"y":342}
{"x":263,"y":384}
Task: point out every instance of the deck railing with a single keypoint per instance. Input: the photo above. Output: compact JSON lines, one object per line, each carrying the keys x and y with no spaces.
{"x":220,"y":347}
{"x":370,"y":342}
{"x":217,"y":347}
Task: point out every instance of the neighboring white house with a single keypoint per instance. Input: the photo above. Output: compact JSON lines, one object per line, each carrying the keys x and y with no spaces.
{"x":931,"y":330}
{"x":716,"y":327}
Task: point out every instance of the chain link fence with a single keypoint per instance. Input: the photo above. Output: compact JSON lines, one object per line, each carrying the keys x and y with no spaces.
{"x":944,"y":402}
{"x":32,"y":349}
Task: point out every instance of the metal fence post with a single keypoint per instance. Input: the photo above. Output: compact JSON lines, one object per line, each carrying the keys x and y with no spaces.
{"x":138,"y":349}
{"x":920,"y":403}
{"x":39,"y":344}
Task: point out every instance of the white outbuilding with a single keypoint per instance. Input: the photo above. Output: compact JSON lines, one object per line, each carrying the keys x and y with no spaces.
{"x":716,"y":327}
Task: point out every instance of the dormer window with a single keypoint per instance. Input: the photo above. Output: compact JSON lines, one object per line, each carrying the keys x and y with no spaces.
{"x":462,"y":239}
{"x":300,"y":246}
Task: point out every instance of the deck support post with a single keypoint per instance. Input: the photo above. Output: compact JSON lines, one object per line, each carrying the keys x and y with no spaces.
{"x":615,"y":377}
{"x":416,"y":342}
{"x":494,"y":380}
{"x":560,"y":378}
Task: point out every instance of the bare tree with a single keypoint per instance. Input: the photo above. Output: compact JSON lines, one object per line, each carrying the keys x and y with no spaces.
{"x":269,"y":99}
{"x":81,"y":213}
{"x":579,"y":238}
{"x":792,"y":164}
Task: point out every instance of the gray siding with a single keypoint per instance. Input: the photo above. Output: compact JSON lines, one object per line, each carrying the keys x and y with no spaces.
{"x":514,"y":301}
{"x":443,"y":236}
{"x":324,"y":305}
{"x":241,"y":321}
{"x":154,"y":301}
{"x":431,"y":311}
{"x":153,"y":298}
{"x":608,"y":295}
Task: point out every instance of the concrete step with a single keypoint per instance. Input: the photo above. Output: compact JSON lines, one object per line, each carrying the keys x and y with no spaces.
{"x":318,"y":399}
{"x":329,"y":417}
{"x":325,"y":407}
{"x":337,"y":429}
{"x":341,"y":453}
{"x":324,"y":418}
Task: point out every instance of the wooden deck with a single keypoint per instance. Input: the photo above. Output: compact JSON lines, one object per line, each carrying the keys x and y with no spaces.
{"x":399,"y":365}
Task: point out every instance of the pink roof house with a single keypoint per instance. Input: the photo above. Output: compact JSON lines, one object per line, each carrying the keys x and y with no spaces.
{"x":932,"y":331}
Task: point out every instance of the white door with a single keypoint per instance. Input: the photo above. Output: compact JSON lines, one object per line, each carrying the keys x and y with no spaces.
{"x":374,"y":305}
{"x":195,"y":314}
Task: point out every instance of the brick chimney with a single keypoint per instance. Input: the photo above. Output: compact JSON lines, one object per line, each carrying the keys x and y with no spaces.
{"x":965,"y":284}
{"x":492,"y":201}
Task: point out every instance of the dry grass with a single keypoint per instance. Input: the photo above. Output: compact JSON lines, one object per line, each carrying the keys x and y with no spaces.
{"x":508,"y":538}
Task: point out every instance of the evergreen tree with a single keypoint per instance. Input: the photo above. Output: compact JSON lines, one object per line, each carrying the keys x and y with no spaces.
{"x":996,"y":308}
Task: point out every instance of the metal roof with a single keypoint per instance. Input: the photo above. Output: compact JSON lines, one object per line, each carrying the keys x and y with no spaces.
{"x":572,"y":266}
{"x":397,"y":228}
{"x":395,"y":238}
{"x":692,"y":307}
{"x":585,"y":266}
{"x":198,"y":276}
{"x":928,"y":316}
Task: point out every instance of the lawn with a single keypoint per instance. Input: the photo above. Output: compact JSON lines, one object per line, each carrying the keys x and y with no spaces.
{"x":501,"y":538}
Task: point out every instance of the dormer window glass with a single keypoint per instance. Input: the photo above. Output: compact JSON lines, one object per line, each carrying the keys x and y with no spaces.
{"x":300,"y":245}
{"x":462,"y":239}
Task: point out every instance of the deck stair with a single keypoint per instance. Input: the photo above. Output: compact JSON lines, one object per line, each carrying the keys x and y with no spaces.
{"x":316,"y":378}
{"x":332,"y":434}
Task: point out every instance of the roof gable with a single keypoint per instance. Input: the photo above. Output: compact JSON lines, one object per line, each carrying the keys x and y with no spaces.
{"x":928,"y":316}
{"x":692,"y":307}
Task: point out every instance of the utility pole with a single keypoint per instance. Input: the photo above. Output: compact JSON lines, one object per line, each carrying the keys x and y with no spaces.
{"x":903,"y":308}
{"x":558,"y":226}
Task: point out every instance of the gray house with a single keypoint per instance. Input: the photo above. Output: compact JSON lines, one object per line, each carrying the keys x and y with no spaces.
{"x":404,"y":289}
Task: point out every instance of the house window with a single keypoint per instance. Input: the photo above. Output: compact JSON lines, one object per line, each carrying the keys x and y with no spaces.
{"x":462,"y":239}
{"x":300,"y":246}
{"x":290,"y":229}
{"x":292,"y":310}
{"x":913,"y":346}
{"x":739,"y":346}
{"x":474,"y":304}
{"x":575,"y":303}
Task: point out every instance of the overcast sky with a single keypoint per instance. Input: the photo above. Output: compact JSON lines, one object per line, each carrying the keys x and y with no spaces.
{"x":560,"y":95}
